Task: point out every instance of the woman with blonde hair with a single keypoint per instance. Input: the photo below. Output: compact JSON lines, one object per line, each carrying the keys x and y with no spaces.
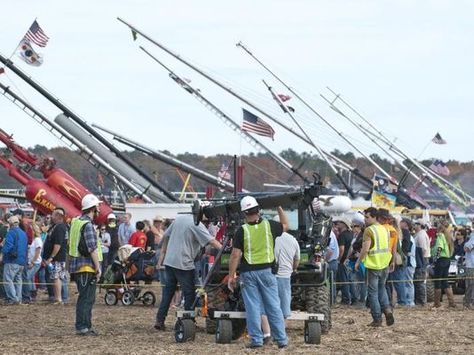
{"x":442,"y":252}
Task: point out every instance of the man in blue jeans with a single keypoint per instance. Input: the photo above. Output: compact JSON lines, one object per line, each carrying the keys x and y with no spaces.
{"x":376,"y":256}
{"x":182,"y":242}
{"x":255,"y":242}
{"x":14,"y":253}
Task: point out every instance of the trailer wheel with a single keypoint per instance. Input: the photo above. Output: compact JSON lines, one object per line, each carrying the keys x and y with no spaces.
{"x":312,"y":332}
{"x":111,"y":298}
{"x":317,"y":301}
{"x":128,"y":298}
{"x":224,"y":331}
{"x":184,"y":330}
{"x":148,"y":298}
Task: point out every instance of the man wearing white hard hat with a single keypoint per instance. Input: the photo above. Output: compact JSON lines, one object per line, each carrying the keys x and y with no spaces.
{"x":253,"y":247}
{"x":86,"y":255}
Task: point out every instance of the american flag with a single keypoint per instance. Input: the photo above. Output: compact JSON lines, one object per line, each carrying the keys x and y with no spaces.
{"x":36,"y":35}
{"x":224,"y":172}
{"x":438,"y":139}
{"x":439,"y":167}
{"x":256,"y":125}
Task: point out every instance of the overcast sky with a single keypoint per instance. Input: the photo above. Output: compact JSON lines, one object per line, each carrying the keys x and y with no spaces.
{"x":406,"y":65}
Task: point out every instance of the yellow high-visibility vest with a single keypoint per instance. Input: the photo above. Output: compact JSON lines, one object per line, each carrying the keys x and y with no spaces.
{"x":379,"y":255}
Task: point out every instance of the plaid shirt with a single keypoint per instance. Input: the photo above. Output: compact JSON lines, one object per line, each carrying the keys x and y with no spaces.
{"x":90,"y":237}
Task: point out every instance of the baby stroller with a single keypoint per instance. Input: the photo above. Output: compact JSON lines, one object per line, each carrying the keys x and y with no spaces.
{"x":121,"y":280}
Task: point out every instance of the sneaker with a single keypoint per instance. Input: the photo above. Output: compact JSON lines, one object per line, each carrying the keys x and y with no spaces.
{"x":159,"y":326}
{"x":82,"y":332}
{"x":375,"y":323}
{"x":282,"y":346}
{"x":92,"y":332}
{"x":267,"y":340}
{"x":253,"y":346}
{"x":389,"y":318}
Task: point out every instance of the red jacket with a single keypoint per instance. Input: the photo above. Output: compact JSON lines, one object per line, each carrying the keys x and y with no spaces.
{"x":138,"y":239}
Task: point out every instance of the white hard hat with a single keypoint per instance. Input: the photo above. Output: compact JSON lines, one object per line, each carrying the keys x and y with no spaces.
{"x":111,"y":216}
{"x":89,"y":201}
{"x":247,"y":203}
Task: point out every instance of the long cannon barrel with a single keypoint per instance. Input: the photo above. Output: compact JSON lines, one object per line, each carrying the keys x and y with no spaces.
{"x":120,"y":166}
{"x":169,"y":160}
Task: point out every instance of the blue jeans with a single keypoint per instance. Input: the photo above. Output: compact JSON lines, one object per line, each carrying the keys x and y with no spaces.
{"x":399,"y":276}
{"x":377,"y":293}
{"x":12,"y":277}
{"x":343,"y":277}
{"x":65,"y":290}
{"x":410,"y":288}
{"x":186,"y":280}
{"x":359,"y":287}
{"x":284,"y":292}
{"x":28,"y":282}
{"x":86,"y":286}
{"x":260,"y":292}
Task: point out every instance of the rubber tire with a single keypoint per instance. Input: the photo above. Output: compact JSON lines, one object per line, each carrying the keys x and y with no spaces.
{"x":224,"y":331}
{"x":312,"y":332}
{"x":111,"y":298}
{"x":429,"y":290}
{"x":184,"y":330}
{"x":212,"y":302}
{"x":238,"y":328}
{"x":317,"y":301}
{"x":149,"y":299}
{"x":128,"y":298}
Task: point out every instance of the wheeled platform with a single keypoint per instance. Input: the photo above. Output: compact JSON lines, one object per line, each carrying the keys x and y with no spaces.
{"x":185,"y":326}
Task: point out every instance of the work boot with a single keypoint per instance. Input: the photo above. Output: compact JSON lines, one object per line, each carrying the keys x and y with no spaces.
{"x":389,"y":319}
{"x":449,"y":293}
{"x":437,"y":298}
{"x":375,"y":323}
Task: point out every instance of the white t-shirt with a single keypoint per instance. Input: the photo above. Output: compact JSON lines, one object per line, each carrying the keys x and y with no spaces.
{"x":35,"y":244}
{"x":286,"y":250}
{"x":423,"y":241}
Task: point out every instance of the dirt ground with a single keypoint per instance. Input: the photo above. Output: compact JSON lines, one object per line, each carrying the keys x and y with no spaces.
{"x":43,"y":328}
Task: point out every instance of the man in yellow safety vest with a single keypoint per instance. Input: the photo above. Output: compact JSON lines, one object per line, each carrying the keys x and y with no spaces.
{"x":376,"y":255}
{"x":255,"y":242}
{"x":85,"y":256}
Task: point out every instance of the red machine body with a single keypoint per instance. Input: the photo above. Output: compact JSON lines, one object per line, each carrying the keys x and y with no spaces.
{"x":59,"y":188}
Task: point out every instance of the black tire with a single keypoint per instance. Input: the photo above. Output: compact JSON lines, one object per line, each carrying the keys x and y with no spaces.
{"x":111,"y":298}
{"x":224,"y":331}
{"x":213,"y":302}
{"x":238,"y":328}
{"x":148,"y":298}
{"x":429,"y":290}
{"x":184,"y":330}
{"x":317,"y":301}
{"x":312,"y":332}
{"x":128,"y":298}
